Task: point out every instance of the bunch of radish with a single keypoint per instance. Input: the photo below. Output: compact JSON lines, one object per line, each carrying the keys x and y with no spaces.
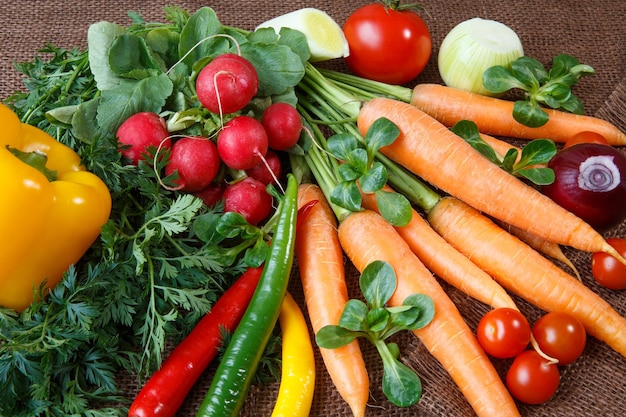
{"x":246,"y":147}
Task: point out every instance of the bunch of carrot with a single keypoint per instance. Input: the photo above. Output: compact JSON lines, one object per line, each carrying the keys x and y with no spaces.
{"x":455,"y":240}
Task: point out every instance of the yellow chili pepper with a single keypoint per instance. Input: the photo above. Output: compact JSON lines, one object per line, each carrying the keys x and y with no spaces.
{"x":295,"y":394}
{"x":46,"y":224}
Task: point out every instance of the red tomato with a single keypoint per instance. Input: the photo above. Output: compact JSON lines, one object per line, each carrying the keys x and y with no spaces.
{"x":503,"y":332}
{"x":387,"y":45}
{"x":586,"y":137}
{"x":607,"y":270}
{"x":532,"y":379}
{"x":561,"y":336}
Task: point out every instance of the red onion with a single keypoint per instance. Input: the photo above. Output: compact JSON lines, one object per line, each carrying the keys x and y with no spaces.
{"x":590,"y":181}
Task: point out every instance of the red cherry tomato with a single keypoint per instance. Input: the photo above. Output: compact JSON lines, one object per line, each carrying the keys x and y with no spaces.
{"x":561,"y":336}
{"x":532,"y":379}
{"x":586,"y":137}
{"x":387,"y":45}
{"x":607,"y":270}
{"x":503,"y":332}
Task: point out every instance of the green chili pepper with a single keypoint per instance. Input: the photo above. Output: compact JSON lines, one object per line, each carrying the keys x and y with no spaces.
{"x":233,"y":376}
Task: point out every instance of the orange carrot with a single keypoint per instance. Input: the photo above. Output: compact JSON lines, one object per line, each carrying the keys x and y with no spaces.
{"x":447,"y":262}
{"x":494,"y":116}
{"x":320,"y":260}
{"x":526,"y":272}
{"x":431,"y":151}
{"x":550,"y":249}
{"x":366,"y":237}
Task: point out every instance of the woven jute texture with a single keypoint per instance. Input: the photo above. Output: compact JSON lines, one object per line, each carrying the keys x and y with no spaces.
{"x":593,"y":31}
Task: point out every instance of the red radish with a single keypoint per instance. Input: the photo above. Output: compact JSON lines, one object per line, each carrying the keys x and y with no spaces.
{"x":261,"y":171}
{"x":196,"y":160}
{"x":283,"y":125}
{"x":211,"y":194}
{"x":242,"y":143}
{"x":139,"y":132}
{"x":227,"y":84}
{"x":249,"y":198}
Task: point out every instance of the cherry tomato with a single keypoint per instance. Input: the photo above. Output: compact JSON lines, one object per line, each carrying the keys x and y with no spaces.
{"x":586,"y":137}
{"x":387,"y":45}
{"x":532,"y":379}
{"x":561,"y":336}
{"x":503,"y":332}
{"x":607,"y":270}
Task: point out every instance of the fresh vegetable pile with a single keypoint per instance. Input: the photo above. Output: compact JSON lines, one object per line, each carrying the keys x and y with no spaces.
{"x":228,"y":155}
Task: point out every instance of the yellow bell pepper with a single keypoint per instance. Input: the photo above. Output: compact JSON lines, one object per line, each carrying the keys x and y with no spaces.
{"x":45,"y":225}
{"x":297,"y":383}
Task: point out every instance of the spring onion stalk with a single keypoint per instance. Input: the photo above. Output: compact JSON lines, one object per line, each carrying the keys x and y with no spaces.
{"x":324,"y":36}
{"x":471,"y":47}
{"x":324,"y":99}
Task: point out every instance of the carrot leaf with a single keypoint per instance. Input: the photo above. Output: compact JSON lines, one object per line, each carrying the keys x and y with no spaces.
{"x":376,"y":322}
{"x":551,"y":88}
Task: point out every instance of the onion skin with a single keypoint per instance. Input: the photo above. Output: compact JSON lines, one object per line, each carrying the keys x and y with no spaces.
{"x":590,"y":181}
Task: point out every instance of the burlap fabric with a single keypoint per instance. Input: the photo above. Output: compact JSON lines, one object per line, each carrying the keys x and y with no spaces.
{"x":594,"y":31}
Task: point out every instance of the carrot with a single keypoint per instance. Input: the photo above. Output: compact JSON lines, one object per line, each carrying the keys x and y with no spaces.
{"x":431,"y":151}
{"x":526,"y":272}
{"x":494,"y":116}
{"x":447,"y":262}
{"x":322,"y":273}
{"x":550,"y":249}
{"x":365,"y":237}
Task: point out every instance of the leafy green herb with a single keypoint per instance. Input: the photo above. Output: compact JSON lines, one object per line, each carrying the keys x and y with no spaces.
{"x":552,"y":88}
{"x":531,"y":164}
{"x":376,"y":322}
{"x":361,"y":171}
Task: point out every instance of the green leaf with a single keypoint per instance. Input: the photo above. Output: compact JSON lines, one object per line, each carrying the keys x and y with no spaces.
{"x":374,"y":179}
{"x":347,"y":195}
{"x":394,"y":207}
{"x":529,"y":114}
{"x":498,"y":79}
{"x":278,"y":67}
{"x":401,"y":385}
{"x":378,"y":283}
{"x":347,"y":172}
{"x":509,"y":160}
{"x":340,"y":145}
{"x":424,"y":306}
{"x":529,"y":71}
{"x":381,"y":133}
{"x":163,"y":42}
{"x":100,"y":37}
{"x":296,"y":41}
{"x":538,"y":175}
{"x":84,"y":120}
{"x":354,"y":316}
{"x":468,"y":130}
{"x":572,"y":105}
{"x":129,"y":57}
{"x":130,"y":97}
{"x":333,"y":337}
{"x":537,"y":152}
{"x":377,"y":319}
{"x":357,"y":158}
{"x":205,"y":227}
{"x":200,"y":38}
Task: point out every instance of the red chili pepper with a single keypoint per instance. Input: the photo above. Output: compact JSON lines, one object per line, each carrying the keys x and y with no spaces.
{"x":166,"y":390}
{"x":303,"y":211}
